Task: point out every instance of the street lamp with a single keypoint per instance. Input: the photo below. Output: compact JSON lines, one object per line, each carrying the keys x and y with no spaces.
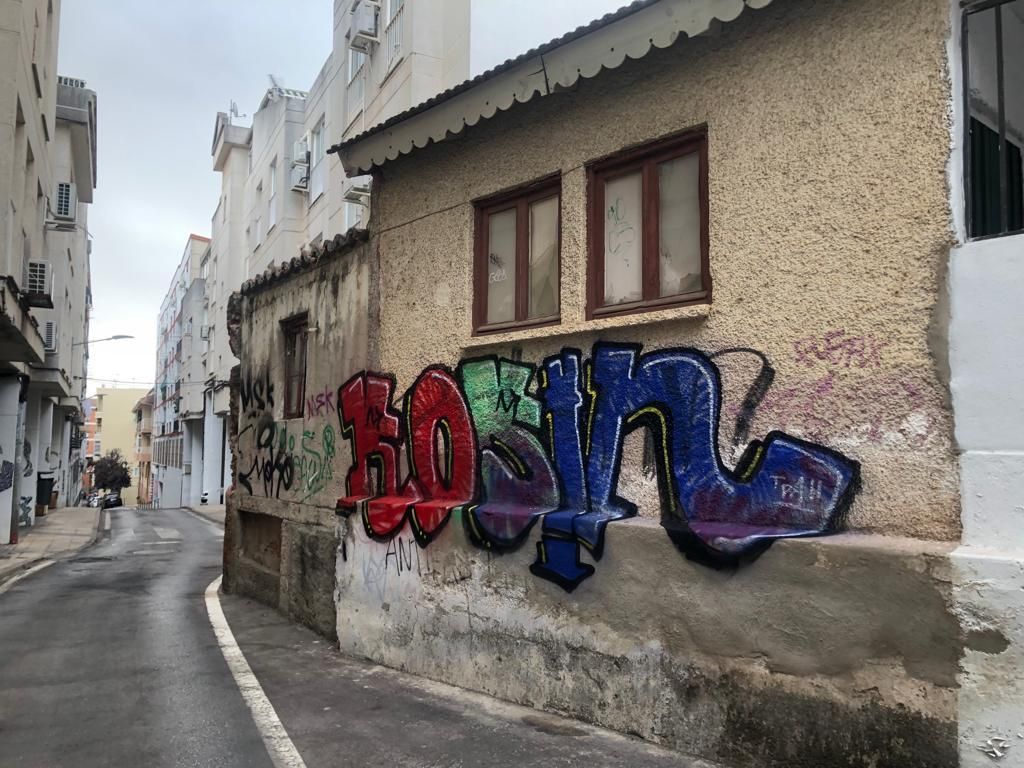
{"x":108,"y":338}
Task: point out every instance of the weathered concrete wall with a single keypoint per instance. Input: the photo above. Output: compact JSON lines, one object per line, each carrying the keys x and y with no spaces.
{"x":832,"y":651}
{"x":292,"y":470}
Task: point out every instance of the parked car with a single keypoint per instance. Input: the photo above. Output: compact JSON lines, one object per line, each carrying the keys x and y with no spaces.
{"x":112,"y":500}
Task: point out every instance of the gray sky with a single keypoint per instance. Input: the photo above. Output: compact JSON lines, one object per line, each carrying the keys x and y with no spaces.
{"x":161,"y":72}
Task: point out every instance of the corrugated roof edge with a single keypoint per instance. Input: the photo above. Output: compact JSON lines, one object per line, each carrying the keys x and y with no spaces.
{"x":305,"y":261}
{"x":608,"y":18}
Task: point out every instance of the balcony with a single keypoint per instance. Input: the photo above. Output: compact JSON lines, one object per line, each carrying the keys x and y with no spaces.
{"x":393,"y":39}
{"x":144,"y":426}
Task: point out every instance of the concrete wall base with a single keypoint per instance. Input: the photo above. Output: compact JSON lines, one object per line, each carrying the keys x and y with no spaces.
{"x":833,"y":651}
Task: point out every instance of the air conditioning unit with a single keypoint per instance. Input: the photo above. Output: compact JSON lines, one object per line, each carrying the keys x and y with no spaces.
{"x":365,"y":15}
{"x":50,"y":336}
{"x":358,"y":193}
{"x":300,"y":151}
{"x":38,"y":284}
{"x":67,"y":203}
{"x":298,"y":178}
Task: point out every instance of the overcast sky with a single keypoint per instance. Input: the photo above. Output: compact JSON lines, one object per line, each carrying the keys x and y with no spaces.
{"x":161,"y":72}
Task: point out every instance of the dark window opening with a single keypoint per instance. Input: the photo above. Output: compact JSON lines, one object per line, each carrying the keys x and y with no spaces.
{"x":993,"y":39}
{"x":296,"y":333}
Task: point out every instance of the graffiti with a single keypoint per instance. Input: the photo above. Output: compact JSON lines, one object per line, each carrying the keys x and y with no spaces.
{"x":257,"y":392}
{"x":840,"y":350}
{"x":26,"y":451}
{"x":284,"y":459}
{"x":480,"y":444}
{"x":6,"y":473}
{"x":320,"y":403}
{"x":25,"y":510}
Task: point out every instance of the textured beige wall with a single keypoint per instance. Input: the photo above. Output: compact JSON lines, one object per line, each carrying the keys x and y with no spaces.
{"x":828,"y":141}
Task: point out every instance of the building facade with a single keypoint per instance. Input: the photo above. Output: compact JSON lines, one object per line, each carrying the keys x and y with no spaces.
{"x":177,"y":398}
{"x":47,"y":178}
{"x":114,"y":418}
{"x":671,"y":386}
{"x":143,"y":456}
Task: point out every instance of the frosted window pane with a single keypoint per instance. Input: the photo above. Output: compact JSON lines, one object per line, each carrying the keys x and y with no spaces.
{"x":679,"y":221}
{"x":623,"y":268}
{"x":501,"y":267}
{"x":544,"y":258}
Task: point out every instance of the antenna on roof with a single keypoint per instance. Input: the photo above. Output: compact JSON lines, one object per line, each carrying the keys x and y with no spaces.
{"x":233,"y":110}
{"x":275,"y":82}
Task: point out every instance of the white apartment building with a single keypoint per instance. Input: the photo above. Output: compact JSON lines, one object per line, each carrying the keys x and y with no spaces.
{"x":178,"y":399}
{"x":47,"y":178}
{"x":281,"y":191}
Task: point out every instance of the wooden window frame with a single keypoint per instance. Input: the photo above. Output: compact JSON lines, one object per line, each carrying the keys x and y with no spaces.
{"x":519,"y":198}
{"x":645,"y":158}
{"x":295,"y":328}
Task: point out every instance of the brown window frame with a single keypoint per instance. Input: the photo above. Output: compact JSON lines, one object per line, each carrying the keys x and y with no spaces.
{"x":519,"y":198}
{"x":645,"y":158}
{"x":296,"y":331}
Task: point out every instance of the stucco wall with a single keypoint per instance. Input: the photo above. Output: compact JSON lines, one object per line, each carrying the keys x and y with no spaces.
{"x":829,"y":225}
{"x":294,"y":469}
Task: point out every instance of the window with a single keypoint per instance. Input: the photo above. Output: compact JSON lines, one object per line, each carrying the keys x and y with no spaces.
{"x":259,"y":231}
{"x":356,"y":59}
{"x":272,"y":202}
{"x":296,"y":331}
{"x":318,"y":167}
{"x":994,"y":109}
{"x":648,"y":228}
{"x":516,"y":258}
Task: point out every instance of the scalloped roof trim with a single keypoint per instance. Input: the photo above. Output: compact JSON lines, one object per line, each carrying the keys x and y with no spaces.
{"x":306,"y":260}
{"x":629,"y":33}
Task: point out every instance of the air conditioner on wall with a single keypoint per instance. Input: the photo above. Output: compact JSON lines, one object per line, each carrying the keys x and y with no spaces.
{"x":363,"y":34}
{"x":300,"y":151}
{"x":358,"y":193}
{"x":298,"y":178}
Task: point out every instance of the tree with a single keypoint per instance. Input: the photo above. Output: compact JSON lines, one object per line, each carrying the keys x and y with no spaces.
{"x":111,"y":472}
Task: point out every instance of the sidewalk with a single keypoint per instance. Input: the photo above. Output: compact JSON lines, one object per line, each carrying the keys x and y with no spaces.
{"x":212,"y":512}
{"x":62,"y":531}
{"x":342,"y":711}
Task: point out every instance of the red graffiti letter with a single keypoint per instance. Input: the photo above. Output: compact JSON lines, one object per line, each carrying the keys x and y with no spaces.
{"x":373,"y":428}
{"x":446,"y":478}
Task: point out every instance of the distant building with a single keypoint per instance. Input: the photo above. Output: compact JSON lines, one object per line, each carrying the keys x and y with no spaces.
{"x":115,"y":429}
{"x":143,"y":456}
{"x":178,"y":400}
{"x":49,"y":149}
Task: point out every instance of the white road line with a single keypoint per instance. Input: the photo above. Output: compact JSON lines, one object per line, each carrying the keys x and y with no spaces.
{"x":12,"y":581}
{"x":167,"y":533}
{"x":280,"y":747}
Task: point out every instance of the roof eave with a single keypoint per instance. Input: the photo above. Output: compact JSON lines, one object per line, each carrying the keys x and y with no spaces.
{"x":547,"y":70}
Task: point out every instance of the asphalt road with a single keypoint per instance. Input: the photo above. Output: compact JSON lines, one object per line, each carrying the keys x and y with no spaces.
{"x":109,"y":659}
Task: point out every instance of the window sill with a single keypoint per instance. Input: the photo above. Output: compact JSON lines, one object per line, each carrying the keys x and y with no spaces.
{"x":698,"y":312}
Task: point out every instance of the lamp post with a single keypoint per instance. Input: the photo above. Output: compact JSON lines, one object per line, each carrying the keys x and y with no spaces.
{"x":108,"y":338}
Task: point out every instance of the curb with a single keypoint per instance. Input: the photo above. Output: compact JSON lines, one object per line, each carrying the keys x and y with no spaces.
{"x":29,"y":565}
{"x":207,"y":518}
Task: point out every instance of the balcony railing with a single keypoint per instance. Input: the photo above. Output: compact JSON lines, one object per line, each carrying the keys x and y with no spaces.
{"x":393,"y":38}
{"x":355,"y":95}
